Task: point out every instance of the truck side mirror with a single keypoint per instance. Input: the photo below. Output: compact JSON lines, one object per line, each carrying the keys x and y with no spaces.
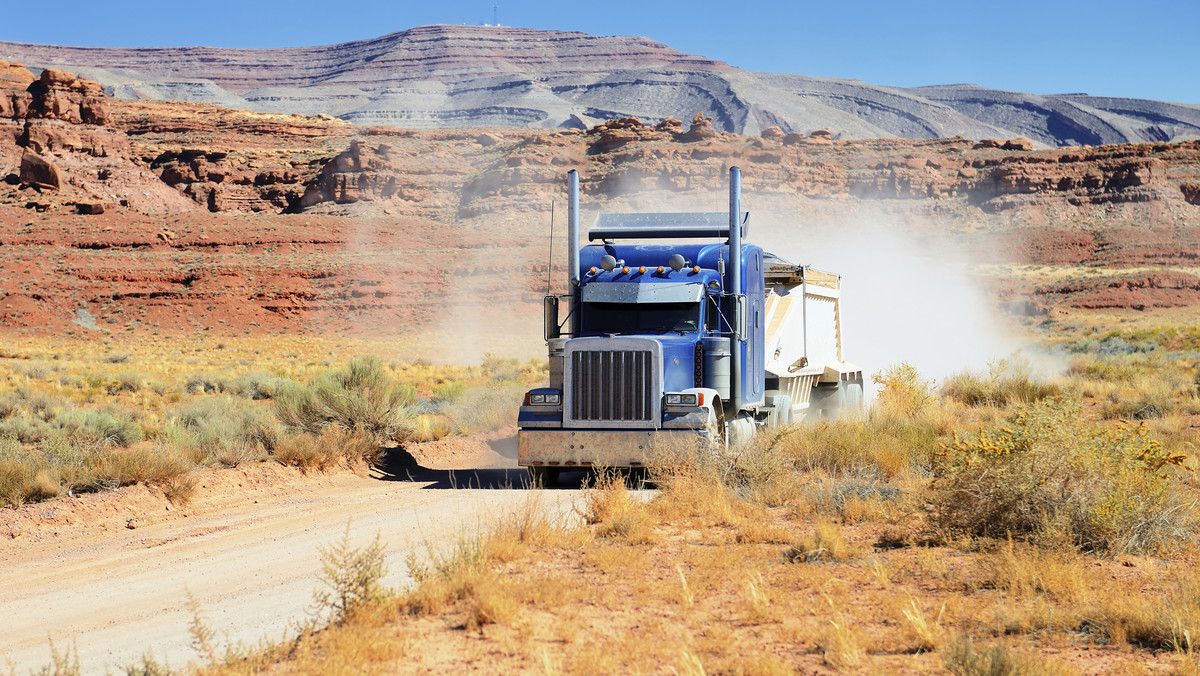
{"x":550,"y":317}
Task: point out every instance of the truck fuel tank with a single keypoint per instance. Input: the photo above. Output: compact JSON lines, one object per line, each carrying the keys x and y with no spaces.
{"x":717,"y":358}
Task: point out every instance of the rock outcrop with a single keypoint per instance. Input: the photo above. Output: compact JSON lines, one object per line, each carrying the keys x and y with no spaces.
{"x":59,"y":95}
{"x":57,"y":125}
{"x":39,"y":172}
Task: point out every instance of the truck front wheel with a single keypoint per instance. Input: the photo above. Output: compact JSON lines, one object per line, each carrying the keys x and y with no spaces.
{"x":543,"y":477}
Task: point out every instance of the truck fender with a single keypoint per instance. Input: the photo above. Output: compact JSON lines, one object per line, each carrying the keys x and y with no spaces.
{"x":715,"y":415}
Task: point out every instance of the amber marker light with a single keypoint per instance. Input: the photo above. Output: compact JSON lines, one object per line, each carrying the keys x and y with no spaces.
{"x":660,"y":269}
{"x":642,"y":270}
{"x":696,"y":269}
{"x":625,"y":271}
{"x":593,"y":270}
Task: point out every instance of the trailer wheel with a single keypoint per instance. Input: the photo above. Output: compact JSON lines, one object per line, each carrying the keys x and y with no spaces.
{"x":543,"y":477}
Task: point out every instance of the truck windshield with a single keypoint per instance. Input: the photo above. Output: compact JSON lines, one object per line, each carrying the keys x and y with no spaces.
{"x":640,"y":317}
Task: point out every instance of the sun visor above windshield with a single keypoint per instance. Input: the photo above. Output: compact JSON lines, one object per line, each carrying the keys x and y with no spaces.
{"x":633,"y":292}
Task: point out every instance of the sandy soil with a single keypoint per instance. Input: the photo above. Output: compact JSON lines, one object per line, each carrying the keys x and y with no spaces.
{"x":110,"y":574}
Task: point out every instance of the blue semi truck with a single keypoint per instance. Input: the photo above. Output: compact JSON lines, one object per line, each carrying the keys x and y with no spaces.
{"x":675,"y":334}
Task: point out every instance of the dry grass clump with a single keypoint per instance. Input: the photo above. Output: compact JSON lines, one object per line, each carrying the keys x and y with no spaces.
{"x":963,"y":658}
{"x":61,"y":467}
{"x":1007,"y":381}
{"x":1167,"y":622}
{"x":1048,"y":475}
{"x":841,"y":641}
{"x":466,"y":571}
{"x":825,"y":543}
{"x":898,"y":435}
{"x":609,"y":505}
{"x":328,"y":449}
{"x":22,"y":478}
{"x":1138,"y":386}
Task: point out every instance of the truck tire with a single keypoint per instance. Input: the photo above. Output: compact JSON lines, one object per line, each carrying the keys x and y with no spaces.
{"x":543,"y":477}
{"x":830,"y":401}
{"x":739,"y":431}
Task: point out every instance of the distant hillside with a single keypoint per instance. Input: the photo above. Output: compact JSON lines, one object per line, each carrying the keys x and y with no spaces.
{"x":477,"y":76}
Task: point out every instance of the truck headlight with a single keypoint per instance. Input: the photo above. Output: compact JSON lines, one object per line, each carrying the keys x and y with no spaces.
{"x":543,"y":399}
{"x":684,"y":399}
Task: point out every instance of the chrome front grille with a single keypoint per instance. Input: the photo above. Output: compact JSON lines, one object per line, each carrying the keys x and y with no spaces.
{"x":612,"y":386}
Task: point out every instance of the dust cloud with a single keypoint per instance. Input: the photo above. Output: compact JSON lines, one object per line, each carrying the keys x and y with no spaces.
{"x":904,"y":298}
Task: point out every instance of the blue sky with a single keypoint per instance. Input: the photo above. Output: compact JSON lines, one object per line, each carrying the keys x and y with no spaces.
{"x":1143,"y":49}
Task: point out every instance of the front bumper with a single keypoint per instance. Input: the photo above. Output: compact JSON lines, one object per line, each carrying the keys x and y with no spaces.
{"x":608,"y":448}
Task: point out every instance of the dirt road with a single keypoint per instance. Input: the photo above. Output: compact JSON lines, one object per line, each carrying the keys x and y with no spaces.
{"x":246,"y":548}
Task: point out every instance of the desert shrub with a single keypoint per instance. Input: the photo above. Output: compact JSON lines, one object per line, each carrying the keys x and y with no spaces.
{"x":351,"y":576}
{"x":902,"y":390}
{"x":1048,"y":474}
{"x":448,"y":392}
{"x":430,"y":427}
{"x":252,"y":385}
{"x":146,"y":463}
{"x":1106,"y":369}
{"x":224,"y":429}
{"x":484,"y":409}
{"x":25,"y":430}
{"x":205,"y":383}
{"x":34,"y":370}
{"x":1157,"y":401}
{"x":61,"y":465}
{"x":260,"y":385}
{"x":110,"y":426}
{"x":125,"y":381}
{"x":1006,"y":382}
{"x":832,"y":494}
{"x":8,"y":405}
{"x":360,"y":396}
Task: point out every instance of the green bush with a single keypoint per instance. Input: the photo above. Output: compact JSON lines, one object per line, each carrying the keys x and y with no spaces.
{"x":1048,"y":475}
{"x":360,"y":396}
